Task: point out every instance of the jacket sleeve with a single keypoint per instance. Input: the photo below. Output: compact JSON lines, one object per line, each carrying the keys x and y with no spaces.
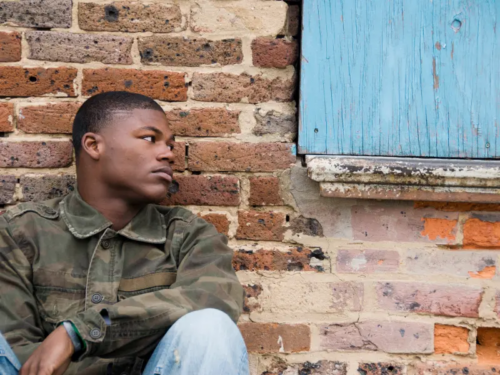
{"x":205,"y":279}
{"x":19,"y":319}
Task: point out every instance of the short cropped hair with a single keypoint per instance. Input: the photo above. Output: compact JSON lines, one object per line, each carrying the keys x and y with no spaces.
{"x":99,"y":110}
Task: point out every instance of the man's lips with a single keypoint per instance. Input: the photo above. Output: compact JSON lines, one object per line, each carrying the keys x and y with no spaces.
{"x":165,"y":173}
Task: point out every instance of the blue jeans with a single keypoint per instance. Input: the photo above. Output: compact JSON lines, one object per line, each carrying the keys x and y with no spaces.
{"x":204,"y":342}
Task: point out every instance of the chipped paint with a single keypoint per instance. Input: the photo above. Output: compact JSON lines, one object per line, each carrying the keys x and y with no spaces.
{"x":487,"y":272}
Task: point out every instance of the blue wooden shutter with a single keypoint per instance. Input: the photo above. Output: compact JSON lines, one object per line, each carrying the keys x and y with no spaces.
{"x":401,"y":78}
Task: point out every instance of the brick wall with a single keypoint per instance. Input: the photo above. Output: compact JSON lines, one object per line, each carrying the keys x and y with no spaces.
{"x":334,"y":286}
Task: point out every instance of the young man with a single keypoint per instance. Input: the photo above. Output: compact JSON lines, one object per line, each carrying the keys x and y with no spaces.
{"x":103,"y":281}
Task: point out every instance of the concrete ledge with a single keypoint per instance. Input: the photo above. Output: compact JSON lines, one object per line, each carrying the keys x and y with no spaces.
{"x":406,"y":178}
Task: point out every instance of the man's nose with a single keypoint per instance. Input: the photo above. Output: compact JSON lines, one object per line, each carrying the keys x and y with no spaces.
{"x":166,"y":153}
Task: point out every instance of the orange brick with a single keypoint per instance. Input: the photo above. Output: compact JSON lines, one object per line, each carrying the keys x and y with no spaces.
{"x":274,"y":338}
{"x":450,"y":339}
{"x":10,"y":47}
{"x":48,"y":118}
{"x":443,"y":228}
{"x":488,"y":343}
{"x":219,"y":221}
{"x":6,"y":117}
{"x":481,"y":234}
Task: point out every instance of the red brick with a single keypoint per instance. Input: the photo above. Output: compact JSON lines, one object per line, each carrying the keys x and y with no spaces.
{"x":39,"y":188}
{"x":181,"y":51}
{"x":367,"y":261}
{"x":450,"y":339}
{"x":129,"y":16}
{"x":295,"y":259}
{"x":203,"y":122}
{"x":6,"y":117}
{"x":230,"y":88}
{"x":157,"y":84}
{"x":274,"y":338}
{"x":264,"y":191}
{"x":274,"y":53}
{"x":10,"y":47}
{"x":179,"y":163}
{"x":455,"y":369}
{"x":7,"y":188}
{"x":19,"y":81}
{"x":48,"y":118}
{"x":245,"y":157}
{"x":251,"y":291}
{"x":263,"y":226}
{"x":387,"y":336}
{"x":79,"y":48}
{"x":481,"y":234}
{"x":278,"y":366}
{"x":219,"y":221}
{"x":488,"y":342}
{"x":382,"y":369}
{"x":448,"y":300}
{"x":48,"y":154}
{"x":204,"y":190}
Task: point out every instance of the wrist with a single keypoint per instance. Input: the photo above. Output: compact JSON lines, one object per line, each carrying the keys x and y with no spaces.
{"x":76,"y":342}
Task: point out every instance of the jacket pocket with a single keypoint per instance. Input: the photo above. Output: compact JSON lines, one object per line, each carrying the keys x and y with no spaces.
{"x":129,"y":287}
{"x":56,"y":304}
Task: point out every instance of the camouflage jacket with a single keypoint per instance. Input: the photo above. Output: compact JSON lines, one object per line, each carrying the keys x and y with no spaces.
{"x":60,"y":260}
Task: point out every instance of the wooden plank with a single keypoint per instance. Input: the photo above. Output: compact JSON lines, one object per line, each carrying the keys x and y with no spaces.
{"x":400,"y":78}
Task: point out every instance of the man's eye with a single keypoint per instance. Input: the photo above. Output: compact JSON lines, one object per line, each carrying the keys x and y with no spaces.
{"x":149,"y":138}
{"x":171,"y":147}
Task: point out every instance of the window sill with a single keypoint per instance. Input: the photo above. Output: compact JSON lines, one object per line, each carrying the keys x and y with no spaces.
{"x":386,"y":178}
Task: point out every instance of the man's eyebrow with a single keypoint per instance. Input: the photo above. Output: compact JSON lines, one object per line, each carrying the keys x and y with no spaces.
{"x":152,"y":128}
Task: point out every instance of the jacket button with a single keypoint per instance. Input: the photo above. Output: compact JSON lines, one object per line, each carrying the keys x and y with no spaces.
{"x":95,"y":333}
{"x":106,"y":244}
{"x":97,"y":298}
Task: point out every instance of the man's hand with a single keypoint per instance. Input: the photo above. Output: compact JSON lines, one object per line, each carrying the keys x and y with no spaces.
{"x":52,"y":357}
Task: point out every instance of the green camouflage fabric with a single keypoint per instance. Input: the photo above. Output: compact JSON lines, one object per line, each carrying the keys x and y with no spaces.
{"x":60,"y":260}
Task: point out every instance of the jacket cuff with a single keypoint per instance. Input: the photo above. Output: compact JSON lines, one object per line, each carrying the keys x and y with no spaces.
{"x":91,"y":328}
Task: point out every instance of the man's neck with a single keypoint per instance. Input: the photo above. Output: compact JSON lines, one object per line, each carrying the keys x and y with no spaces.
{"x":116,"y":210}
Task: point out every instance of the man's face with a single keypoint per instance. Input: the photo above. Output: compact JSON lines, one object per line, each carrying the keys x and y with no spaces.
{"x":137,"y":154}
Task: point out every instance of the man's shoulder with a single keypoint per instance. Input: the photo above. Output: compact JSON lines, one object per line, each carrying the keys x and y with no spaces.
{"x":44,"y":210}
{"x":172,"y":214}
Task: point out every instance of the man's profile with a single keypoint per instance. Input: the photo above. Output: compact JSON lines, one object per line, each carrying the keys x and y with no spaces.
{"x":104,"y":280}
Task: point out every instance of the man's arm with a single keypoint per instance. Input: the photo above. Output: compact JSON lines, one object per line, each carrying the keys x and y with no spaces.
{"x":205,"y":279}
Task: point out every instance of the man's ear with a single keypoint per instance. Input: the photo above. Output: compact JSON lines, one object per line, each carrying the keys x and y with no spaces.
{"x":93,"y":145}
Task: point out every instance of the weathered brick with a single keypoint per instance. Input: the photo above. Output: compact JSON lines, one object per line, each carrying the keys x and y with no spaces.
{"x":381,"y":369}
{"x":48,"y":118}
{"x":316,"y":368}
{"x":180,"y":51}
{"x":264,"y":191}
{"x":273,"y":122}
{"x":80,"y":48}
{"x":157,"y":84}
{"x":450,"y":339}
{"x":231,"y":88}
{"x":245,"y":157}
{"x":445,"y":368}
{"x":219,"y":221}
{"x":203,"y":122}
{"x":130,"y":17}
{"x":274,"y":338}
{"x":308,"y":226}
{"x":450,"y":262}
{"x":7,"y":188}
{"x":19,"y":81}
{"x":448,"y":300}
{"x":39,"y":188}
{"x":6,"y":117}
{"x":292,"y":26}
{"x":48,"y":154}
{"x":295,"y":259}
{"x":179,"y":162}
{"x":296,"y":297}
{"x":367,"y":261}
{"x":274,"y":53}
{"x":263,"y":226}
{"x":481,"y":234}
{"x":203,"y":190}
{"x":386,"y":336}
{"x":10,"y":47}
{"x":37,"y":13}
{"x":379,"y":221}
{"x":252,"y":292}
{"x":488,"y":342}
{"x":263,"y":17}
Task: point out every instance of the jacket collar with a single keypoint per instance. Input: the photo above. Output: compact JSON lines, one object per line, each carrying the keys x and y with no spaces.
{"x":84,"y":221}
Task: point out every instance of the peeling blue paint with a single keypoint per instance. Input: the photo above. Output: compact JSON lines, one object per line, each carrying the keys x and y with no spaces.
{"x":401,"y":78}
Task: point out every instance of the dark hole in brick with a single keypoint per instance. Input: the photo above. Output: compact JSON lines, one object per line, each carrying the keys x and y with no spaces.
{"x":3,"y":135}
{"x":187,"y":151}
{"x":174,"y":187}
{"x":390,"y":368}
{"x":111,"y":13}
{"x":148,"y":53}
{"x":196,"y":173}
{"x":287,"y":218}
{"x":33,"y":79}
